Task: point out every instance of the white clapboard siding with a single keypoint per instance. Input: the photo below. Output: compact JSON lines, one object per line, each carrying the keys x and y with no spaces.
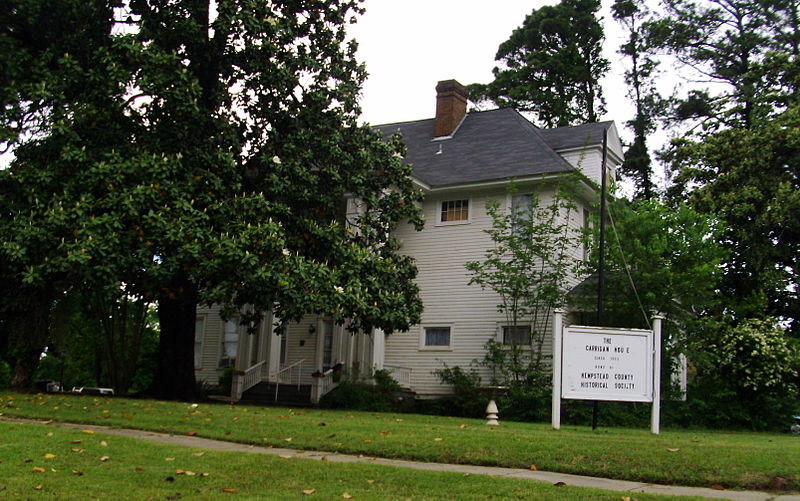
{"x":441,"y":253}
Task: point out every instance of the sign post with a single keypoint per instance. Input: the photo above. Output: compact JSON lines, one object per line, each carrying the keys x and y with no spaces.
{"x":606,"y":364}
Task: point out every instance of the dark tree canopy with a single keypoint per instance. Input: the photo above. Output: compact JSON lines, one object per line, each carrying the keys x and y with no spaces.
{"x":191,"y":156}
{"x":551,"y":66}
{"x":640,"y":74}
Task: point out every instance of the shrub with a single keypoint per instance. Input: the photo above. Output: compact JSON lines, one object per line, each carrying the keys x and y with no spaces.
{"x":467,"y":400}
{"x":377,"y":395}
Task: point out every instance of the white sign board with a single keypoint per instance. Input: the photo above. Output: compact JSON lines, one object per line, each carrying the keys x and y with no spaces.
{"x":607,"y":364}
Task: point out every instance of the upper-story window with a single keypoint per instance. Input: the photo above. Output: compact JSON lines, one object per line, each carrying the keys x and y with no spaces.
{"x":454,"y":211}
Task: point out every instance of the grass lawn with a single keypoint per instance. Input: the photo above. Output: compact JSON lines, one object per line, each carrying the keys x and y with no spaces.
{"x":52,"y":463}
{"x":760,"y":461}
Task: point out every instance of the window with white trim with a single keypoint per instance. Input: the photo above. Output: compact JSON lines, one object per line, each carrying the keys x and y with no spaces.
{"x":517,"y":335}
{"x":454,"y":211}
{"x":230,"y":343}
{"x":436,"y":338}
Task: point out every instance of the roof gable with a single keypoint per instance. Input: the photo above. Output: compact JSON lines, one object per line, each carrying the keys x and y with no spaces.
{"x":487,"y":146}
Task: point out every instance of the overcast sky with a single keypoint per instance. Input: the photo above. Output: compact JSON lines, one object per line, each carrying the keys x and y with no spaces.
{"x":410,"y":45}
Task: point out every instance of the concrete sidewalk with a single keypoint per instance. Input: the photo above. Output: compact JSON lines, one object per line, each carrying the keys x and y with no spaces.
{"x":539,"y":476}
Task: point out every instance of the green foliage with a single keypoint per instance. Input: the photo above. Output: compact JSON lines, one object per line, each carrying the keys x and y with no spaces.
{"x":201,"y":156}
{"x":378,"y":395}
{"x":552,"y":65}
{"x":749,"y":180}
{"x":467,"y":400}
{"x":755,"y":356}
{"x":674,"y":262}
{"x":640,"y":76}
{"x":532,"y":259}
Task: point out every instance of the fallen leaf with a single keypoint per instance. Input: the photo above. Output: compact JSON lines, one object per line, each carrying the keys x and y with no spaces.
{"x":179,"y":472}
{"x":75,"y":441}
{"x":190,"y":473}
{"x":169,"y":459}
{"x":534,"y":468}
{"x":289,"y":439}
{"x":198,"y":454}
{"x":626,"y":498}
{"x":191,"y":433}
{"x":139,"y":468}
{"x":370,"y":481}
{"x":229,"y":490}
{"x":332,"y":435}
{"x":104,"y":443}
{"x":367,"y":441}
{"x":104,"y":458}
{"x":49,"y":456}
{"x":38,"y":488}
{"x":386,"y":432}
{"x":718,"y":487}
{"x":37,"y":469}
{"x":673,"y":450}
{"x":347,"y":496}
{"x":49,"y":433}
{"x":323,"y":458}
{"x":438,"y":439}
{"x":309,"y":491}
{"x":205,"y":474}
{"x":559,"y":484}
{"x":76,"y":472}
{"x":77,"y":450}
{"x":462,"y":426}
{"x":88,"y":432}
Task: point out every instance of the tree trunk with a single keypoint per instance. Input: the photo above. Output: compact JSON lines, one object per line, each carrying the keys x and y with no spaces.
{"x":177,"y":309}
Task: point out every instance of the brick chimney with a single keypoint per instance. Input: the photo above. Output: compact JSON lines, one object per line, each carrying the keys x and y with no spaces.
{"x":451,"y":106}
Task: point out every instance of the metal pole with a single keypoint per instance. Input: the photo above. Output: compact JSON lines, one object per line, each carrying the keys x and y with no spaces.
{"x":601,"y":265}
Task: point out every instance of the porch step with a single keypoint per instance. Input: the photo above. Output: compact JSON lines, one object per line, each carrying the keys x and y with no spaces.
{"x":288,"y":394}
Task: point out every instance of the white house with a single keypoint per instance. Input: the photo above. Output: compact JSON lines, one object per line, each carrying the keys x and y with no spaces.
{"x":460,"y":161}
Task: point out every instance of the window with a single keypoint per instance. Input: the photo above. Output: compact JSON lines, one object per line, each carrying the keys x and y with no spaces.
{"x":517,"y":335}
{"x":199,"y":327}
{"x":436,"y":338}
{"x":454,"y":210}
{"x":230,"y":344}
{"x":521,"y":208}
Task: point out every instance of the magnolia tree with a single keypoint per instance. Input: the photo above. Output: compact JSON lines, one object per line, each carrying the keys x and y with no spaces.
{"x":530,"y":266}
{"x":199,"y":152}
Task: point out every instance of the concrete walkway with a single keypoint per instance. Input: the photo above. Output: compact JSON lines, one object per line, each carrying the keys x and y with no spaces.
{"x":539,"y":476}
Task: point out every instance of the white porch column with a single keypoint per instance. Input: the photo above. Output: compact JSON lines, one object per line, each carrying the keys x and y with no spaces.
{"x":378,"y":349}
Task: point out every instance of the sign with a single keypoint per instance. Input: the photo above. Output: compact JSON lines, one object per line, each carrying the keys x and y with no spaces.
{"x":607,"y":364}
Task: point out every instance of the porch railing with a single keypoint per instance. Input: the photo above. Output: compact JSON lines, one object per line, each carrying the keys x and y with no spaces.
{"x":245,"y":380}
{"x":285,"y":376}
{"x":400,"y":374}
{"x":323,"y":384}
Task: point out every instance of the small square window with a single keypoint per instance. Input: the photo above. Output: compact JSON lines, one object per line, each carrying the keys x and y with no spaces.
{"x":517,"y":335}
{"x":455,"y":210}
{"x":436,"y":338}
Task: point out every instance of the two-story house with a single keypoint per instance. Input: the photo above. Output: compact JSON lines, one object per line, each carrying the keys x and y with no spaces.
{"x":460,"y":161}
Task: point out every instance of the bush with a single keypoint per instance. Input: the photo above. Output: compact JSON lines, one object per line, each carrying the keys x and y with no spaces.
{"x":379,"y":395}
{"x":467,"y":400}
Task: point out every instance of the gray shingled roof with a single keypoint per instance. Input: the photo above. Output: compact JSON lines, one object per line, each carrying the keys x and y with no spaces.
{"x":488,"y":145}
{"x":574,"y":137}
